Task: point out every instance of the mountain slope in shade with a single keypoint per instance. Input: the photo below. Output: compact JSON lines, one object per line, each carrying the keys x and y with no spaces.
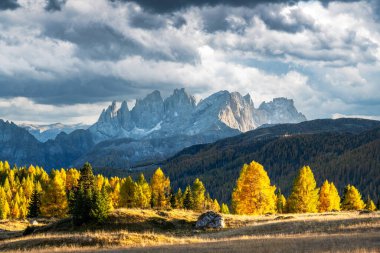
{"x":22,"y":148}
{"x":343,"y":150}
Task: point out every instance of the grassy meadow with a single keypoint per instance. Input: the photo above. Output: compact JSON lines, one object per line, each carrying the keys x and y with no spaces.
{"x":173,"y":231}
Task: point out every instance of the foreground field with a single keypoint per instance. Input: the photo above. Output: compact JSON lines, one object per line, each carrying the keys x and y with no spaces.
{"x":173,"y":231}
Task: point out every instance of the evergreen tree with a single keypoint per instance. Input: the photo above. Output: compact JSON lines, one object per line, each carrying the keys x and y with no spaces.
{"x":280,"y":202}
{"x":224,"y":209}
{"x":198,"y":193}
{"x":35,"y":204}
{"x":160,"y":186}
{"x":253,"y":193}
{"x":89,"y":203}
{"x":369,"y":205}
{"x":305,"y":194}
{"x":188,"y":199}
{"x":99,"y":206}
{"x":352,"y":199}
{"x":86,"y":178}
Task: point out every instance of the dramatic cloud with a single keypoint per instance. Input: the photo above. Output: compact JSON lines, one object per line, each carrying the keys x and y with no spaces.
{"x":8,"y":4}
{"x":58,"y":54}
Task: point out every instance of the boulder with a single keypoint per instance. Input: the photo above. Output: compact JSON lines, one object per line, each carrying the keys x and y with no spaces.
{"x":210,"y":219}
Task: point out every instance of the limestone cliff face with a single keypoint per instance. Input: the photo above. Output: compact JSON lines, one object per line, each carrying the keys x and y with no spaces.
{"x":221,"y":114}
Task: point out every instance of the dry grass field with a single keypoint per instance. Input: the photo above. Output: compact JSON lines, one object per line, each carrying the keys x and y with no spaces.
{"x":173,"y":231}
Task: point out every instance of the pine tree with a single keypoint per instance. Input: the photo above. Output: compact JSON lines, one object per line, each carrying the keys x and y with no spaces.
{"x":35,"y":204}
{"x":89,"y":204}
{"x":54,"y":200}
{"x":369,"y":205}
{"x":352,"y":199}
{"x":280,"y":202}
{"x":188,"y":199}
{"x":160,"y":186}
{"x":224,"y":209}
{"x":87,"y":178}
{"x":99,"y":205}
{"x":253,"y":193}
{"x":198,"y":193}
{"x":305,"y":194}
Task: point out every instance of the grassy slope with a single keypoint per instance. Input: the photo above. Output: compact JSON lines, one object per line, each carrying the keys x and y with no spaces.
{"x":173,"y":231}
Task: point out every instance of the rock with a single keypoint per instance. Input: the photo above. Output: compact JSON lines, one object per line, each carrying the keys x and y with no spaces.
{"x":210,"y":219}
{"x":34,"y":223}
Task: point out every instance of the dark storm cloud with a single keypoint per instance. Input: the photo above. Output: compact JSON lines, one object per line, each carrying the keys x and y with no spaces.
{"x":99,"y":41}
{"x":55,"y":5}
{"x":8,"y":4}
{"x":88,"y":89}
{"x":164,"y":6}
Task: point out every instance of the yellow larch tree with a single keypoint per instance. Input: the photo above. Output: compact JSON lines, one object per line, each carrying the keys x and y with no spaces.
{"x":253,"y":193}
{"x":54,"y":201}
{"x":329,"y":199}
{"x":352,"y":199}
{"x":305,"y":194}
{"x":160,"y":186}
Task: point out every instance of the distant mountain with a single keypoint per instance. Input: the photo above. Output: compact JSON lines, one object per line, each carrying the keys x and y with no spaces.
{"x":153,"y":130}
{"x":343,"y":151}
{"x":222,"y":114}
{"x":20,"y":147}
{"x":44,"y":133}
{"x":157,"y":128}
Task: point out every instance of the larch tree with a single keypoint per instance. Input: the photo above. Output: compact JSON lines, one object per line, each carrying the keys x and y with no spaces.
{"x":54,"y":201}
{"x":160,"y":186}
{"x":224,"y":209}
{"x":198,"y":191}
{"x":5,"y":210}
{"x":253,"y":193}
{"x":305,"y":194}
{"x":280,"y":202}
{"x":369,"y":204}
{"x":145,"y":193}
{"x":352,"y":199}
{"x":329,"y":199}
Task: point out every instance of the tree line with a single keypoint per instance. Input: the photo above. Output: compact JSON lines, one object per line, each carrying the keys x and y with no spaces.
{"x":32,"y":192}
{"x":254,"y":194}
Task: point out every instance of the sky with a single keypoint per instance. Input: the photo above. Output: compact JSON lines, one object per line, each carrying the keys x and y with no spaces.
{"x":66,"y":60}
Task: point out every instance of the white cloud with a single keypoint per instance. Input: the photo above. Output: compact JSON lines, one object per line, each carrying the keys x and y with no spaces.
{"x":334,"y":54}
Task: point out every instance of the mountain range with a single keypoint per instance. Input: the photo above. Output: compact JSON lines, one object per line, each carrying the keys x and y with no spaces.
{"x":153,"y":130}
{"x":47,"y":132}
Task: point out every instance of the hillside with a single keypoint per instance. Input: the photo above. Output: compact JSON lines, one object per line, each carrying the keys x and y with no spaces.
{"x":343,"y":151}
{"x":139,"y":230}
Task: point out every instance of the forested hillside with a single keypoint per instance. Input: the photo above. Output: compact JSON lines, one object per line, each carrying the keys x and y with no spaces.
{"x":340,"y":151}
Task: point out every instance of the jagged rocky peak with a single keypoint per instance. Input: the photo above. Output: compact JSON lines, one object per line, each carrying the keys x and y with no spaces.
{"x":179,"y":104}
{"x":280,"y":110}
{"x":109,"y":113}
{"x":148,"y":112}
